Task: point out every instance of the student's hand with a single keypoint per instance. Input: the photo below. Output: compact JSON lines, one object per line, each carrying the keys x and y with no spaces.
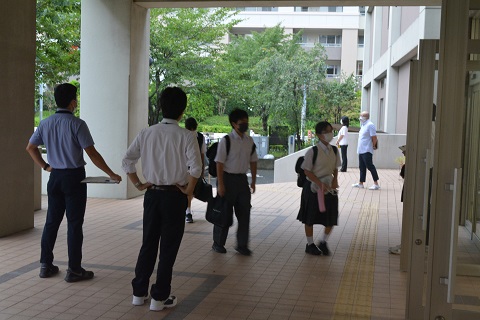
{"x":221,"y":190}
{"x":116,"y":177}
{"x":252,"y":188}
{"x":335,"y":185}
{"x":143,"y":186}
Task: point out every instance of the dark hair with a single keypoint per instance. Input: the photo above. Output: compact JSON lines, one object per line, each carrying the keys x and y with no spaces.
{"x":191,"y":124}
{"x":345,"y":121}
{"x":64,"y":94}
{"x":173,"y":102}
{"x":237,"y":114}
{"x":322,"y":125}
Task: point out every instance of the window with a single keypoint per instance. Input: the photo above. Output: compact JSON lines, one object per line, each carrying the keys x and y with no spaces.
{"x":331,"y":41}
{"x":331,"y":9}
{"x":359,"y":68}
{"x":333,"y":71}
{"x":360,"y":41}
{"x":250,"y":9}
{"x":361,"y":10}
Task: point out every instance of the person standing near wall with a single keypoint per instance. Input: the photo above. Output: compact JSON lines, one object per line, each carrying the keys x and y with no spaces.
{"x":367,"y":142}
{"x":171,"y":165}
{"x":65,"y":137}
{"x":342,"y":142}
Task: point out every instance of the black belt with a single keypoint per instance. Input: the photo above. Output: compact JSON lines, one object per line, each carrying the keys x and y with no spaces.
{"x":164,"y":188}
{"x":234,"y":174}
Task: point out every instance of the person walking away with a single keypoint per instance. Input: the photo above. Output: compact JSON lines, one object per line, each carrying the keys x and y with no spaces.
{"x":192,"y":125}
{"x":367,"y":142}
{"x":342,"y":142}
{"x":171,"y":165}
{"x":322,"y":176}
{"x":232,"y":181}
{"x":65,"y":137}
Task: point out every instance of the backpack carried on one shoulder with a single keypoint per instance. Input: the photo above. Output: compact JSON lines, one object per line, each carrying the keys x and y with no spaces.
{"x":200,"y":139}
{"x":212,"y":153}
{"x":301,"y":177}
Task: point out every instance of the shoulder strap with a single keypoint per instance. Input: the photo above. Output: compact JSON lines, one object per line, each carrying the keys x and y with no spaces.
{"x":315,"y":153}
{"x":335,"y":150}
{"x":253,"y":148}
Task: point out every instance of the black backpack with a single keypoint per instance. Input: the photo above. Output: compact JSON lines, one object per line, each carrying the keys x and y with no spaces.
{"x":200,"y":140}
{"x":301,"y":177}
{"x":212,"y":153}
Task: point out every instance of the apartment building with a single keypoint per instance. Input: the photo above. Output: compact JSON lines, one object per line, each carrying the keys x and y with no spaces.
{"x":339,"y":29}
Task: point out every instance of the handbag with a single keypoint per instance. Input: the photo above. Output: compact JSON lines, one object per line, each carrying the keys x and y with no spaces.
{"x":203,"y":190}
{"x":217,"y":212}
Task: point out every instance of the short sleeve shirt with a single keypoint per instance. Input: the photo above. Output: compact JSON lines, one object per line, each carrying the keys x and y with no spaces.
{"x":325,"y":164}
{"x":64,"y":136}
{"x":240,"y":154}
{"x":367,"y":131}
{"x":343,"y":132}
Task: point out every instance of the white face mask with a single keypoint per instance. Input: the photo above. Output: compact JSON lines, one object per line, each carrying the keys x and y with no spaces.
{"x":328,"y":136}
{"x":362,"y":119}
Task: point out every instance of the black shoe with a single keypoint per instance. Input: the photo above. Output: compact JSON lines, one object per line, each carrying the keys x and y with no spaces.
{"x":188,"y":218}
{"x":343,"y":170}
{"x":48,"y":270}
{"x":78,"y":276}
{"x":323,"y":246}
{"x":244,"y":251}
{"x":312,"y":249}
{"x":218,"y":248}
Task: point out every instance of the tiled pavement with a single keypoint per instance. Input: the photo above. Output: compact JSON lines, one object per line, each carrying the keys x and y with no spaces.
{"x":360,"y":280}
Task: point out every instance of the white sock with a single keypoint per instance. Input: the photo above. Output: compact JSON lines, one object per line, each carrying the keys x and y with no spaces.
{"x":188,"y":211}
{"x":325,"y":237}
{"x":309,"y":240}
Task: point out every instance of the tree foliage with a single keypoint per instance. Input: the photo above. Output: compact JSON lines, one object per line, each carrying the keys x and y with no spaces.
{"x":57,"y":40}
{"x":339,"y":97}
{"x":184,"y":44}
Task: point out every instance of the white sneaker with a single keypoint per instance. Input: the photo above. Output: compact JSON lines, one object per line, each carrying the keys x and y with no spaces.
{"x":374,"y":187}
{"x":357,"y":185}
{"x":170,"y":302}
{"x":139,"y":301}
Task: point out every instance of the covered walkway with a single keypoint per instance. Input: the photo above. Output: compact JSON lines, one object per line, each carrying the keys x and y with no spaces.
{"x":360,"y":280}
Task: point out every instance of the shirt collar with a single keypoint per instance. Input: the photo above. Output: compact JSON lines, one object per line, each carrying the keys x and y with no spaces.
{"x":63,"y":110}
{"x":169,"y":121}
{"x":236,"y":135}
{"x":324,"y":147}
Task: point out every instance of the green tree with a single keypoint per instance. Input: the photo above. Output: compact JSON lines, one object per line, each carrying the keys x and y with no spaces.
{"x":58,"y":41}
{"x":339,"y":97}
{"x":289,"y":77}
{"x":184,"y":45}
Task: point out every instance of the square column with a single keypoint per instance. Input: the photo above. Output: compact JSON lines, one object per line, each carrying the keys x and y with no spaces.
{"x":114,"y":83}
{"x":17,"y":87}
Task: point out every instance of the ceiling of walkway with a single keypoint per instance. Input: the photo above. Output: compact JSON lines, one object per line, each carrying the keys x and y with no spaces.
{"x":281,"y":3}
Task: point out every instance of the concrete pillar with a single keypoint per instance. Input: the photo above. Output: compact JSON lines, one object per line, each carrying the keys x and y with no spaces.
{"x":349,"y":51}
{"x":391,"y":100}
{"x":114,"y":83}
{"x":17,"y":87}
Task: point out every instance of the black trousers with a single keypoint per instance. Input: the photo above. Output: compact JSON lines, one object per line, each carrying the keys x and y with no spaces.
{"x":365,"y":161}
{"x":237,"y":193}
{"x":163,"y":225}
{"x":65,"y":194}
{"x":343,"y":149}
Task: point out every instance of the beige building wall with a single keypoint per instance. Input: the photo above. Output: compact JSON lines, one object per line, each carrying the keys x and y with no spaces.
{"x":349,"y":51}
{"x":408,"y":16}
{"x":17,"y":65}
{"x":402,"y":97}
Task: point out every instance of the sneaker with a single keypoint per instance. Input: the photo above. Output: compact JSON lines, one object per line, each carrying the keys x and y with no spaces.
{"x":78,"y":276}
{"x":218,"y":248}
{"x":188,"y":218}
{"x":374,"y":187}
{"x":244,"y":251}
{"x":323,"y":247}
{"x":47,"y":270}
{"x":170,"y":302}
{"x":357,"y":185}
{"x":139,"y":301}
{"x":313,"y":249}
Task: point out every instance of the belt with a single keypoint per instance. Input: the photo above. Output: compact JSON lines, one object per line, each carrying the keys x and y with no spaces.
{"x":234,"y":174}
{"x":164,"y":188}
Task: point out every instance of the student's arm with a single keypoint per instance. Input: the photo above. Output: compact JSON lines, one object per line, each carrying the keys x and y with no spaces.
{"x":220,"y":184}
{"x":315,"y":180}
{"x":98,"y":161}
{"x":374,"y":141}
{"x":37,"y":156}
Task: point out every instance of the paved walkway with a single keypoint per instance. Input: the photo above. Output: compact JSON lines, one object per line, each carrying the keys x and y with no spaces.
{"x":360,"y":280}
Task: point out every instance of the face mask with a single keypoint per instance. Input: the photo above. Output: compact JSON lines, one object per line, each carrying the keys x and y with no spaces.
{"x":243,"y":127}
{"x":328,"y":136}
{"x":362,"y":119}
